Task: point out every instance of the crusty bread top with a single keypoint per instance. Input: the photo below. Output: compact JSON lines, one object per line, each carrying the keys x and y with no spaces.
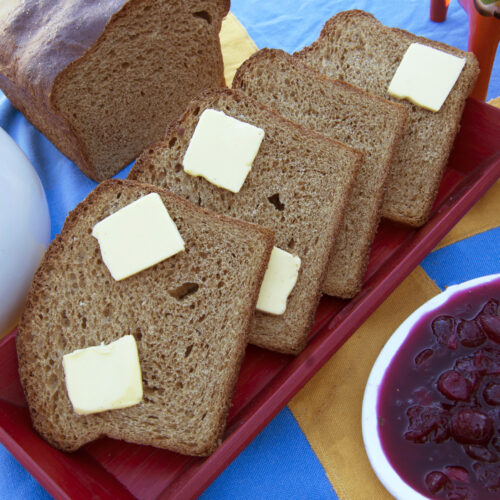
{"x":93,"y":75}
{"x":346,"y":113}
{"x":355,"y":47}
{"x":36,"y":51}
{"x":189,"y":314}
{"x":298,"y":186}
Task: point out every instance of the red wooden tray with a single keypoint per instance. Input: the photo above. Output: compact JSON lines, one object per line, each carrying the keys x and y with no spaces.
{"x":114,"y":469}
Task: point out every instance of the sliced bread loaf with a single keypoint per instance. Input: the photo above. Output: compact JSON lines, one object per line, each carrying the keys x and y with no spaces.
{"x":340,"y":111}
{"x":189,"y":314}
{"x":101,"y":78}
{"x":355,"y":47}
{"x":298,"y":186}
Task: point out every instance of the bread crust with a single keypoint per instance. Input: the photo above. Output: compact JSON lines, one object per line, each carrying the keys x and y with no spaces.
{"x":398,"y":205}
{"x":70,"y":431}
{"x":37,"y":57}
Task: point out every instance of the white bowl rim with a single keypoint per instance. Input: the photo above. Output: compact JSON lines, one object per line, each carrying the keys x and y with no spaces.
{"x":379,"y":462}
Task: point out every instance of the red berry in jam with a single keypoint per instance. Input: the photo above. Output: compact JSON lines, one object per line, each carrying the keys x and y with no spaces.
{"x":457,"y":474}
{"x":491,"y":325}
{"x":491,"y":307}
{"x":467,"y":367}
{"x":487,"y":361}
{"x":471,"y":427}
{"x":423,"y":356}
{"x":454,"y":386}
{"x":459,"y":492}
{"x":491,"y":393}
{"x":443,"y":328}
{"x":427,"y":424}
{"x":488,"y":475}
{"x":470,"y":333}
{"x":436,"y":481}
{"x":480,"y":453}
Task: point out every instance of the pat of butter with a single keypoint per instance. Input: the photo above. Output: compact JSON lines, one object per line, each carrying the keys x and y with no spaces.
{"x":279,"y":280}
{"x":104,"y":377}
{"x":137,"y":236}
{"x":426,"y":76}
{"x":222,"y":150}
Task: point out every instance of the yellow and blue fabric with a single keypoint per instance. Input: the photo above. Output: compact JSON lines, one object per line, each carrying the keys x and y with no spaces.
{"x":313,"y":449}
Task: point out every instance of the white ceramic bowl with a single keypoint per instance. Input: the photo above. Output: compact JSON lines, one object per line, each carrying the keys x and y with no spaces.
{"x":24,"y":229}
{"x":379,"y":462}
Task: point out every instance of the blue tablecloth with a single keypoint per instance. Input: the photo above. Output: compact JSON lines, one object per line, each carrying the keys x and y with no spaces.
{"x":279,"y":463}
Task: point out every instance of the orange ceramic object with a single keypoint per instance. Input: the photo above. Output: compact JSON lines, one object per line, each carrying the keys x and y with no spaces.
{"x":484,"y":34}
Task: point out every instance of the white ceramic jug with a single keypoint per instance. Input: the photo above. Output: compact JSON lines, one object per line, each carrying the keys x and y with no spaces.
{"x":24,"y":229}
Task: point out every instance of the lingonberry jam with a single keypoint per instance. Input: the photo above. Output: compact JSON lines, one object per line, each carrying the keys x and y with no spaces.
{"x":439,"y":403}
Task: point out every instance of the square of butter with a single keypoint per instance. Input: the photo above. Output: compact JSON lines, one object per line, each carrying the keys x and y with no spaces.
{"x":104,"y":377}
{"x":426,"y":76}
{"x":222,"y":150}
{"x":137,"y":236}
{"x":280,"y":278}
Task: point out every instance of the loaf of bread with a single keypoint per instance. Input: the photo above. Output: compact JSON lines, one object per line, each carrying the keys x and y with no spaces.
{"x":355,"y":47}
{"x":190,"y":315}
{"x":102,"y":78}
{"x":298,"y":186}
{"x":348,"y":114}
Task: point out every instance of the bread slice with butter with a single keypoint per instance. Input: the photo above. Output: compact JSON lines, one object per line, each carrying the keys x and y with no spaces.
{"x":357,"y":48}
{"x":343,"y":112}
{"x":190,"y":315}
{"x":298,"y":186}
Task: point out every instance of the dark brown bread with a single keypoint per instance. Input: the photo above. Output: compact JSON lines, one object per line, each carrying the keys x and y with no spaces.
{"x":343,"y":112}
{"x":189,"y":314}
{"x":298,"y":186}
{"x":101,"y":78}
{"x":355,"y":47}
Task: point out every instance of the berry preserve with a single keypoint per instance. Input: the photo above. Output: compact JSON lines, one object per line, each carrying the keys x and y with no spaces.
{"x":439,"y":403}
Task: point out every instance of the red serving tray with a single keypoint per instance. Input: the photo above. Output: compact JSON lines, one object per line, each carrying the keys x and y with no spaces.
{"x":113,"y":469}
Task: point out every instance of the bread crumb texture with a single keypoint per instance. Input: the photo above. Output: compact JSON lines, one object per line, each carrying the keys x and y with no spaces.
{"x":348,"y":114}
{"x":298,"y":186}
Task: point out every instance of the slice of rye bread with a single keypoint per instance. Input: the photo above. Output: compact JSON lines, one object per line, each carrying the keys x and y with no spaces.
{"x":190,"y":315}
{"x":343,"y":112}
{"x":101,"y":78}
{"x":298,"y":186}
{"x":355,"y":47}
